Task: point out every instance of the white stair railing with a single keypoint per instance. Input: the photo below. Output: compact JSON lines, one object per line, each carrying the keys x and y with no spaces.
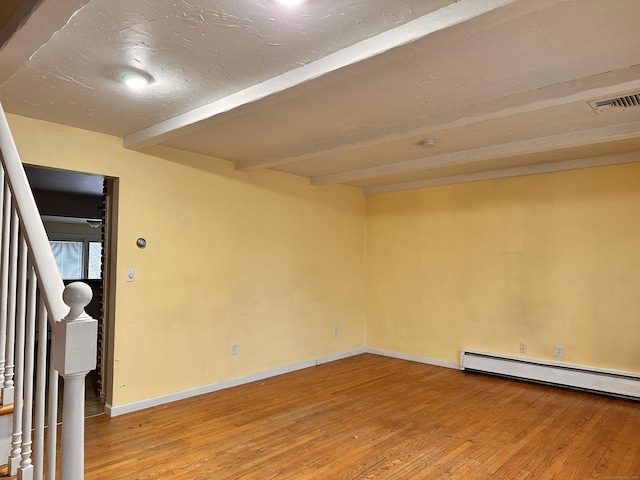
{"x":34,"y":302}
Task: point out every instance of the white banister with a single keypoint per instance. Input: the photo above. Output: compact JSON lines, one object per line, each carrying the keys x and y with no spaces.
{"x":46,"y":268}
{"x":31,"y":288}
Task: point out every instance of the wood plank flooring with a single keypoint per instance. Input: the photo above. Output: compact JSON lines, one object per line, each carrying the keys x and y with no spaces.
{"x":373,"y":417}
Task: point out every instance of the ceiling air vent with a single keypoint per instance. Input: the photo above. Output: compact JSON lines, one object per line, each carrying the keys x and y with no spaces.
{"x":616,"y":104}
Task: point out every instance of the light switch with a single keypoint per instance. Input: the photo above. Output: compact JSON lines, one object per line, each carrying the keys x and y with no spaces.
{"x":131,"y":275}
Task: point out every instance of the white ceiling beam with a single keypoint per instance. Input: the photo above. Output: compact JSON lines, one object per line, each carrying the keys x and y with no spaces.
{"x":580,"y":90}
{"x":524,"y":147}
{"x":458,"y":12}
{"x":509,"y":172}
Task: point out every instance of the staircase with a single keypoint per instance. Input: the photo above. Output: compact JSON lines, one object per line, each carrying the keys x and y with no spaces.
{"x":44,"y":333}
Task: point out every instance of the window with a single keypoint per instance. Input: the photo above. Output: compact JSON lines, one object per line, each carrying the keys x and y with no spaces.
{"x":94,"y":263}
{"x":78,"y":259}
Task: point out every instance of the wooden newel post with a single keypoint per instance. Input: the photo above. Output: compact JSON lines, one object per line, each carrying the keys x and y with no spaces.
{"x":76,"y":343}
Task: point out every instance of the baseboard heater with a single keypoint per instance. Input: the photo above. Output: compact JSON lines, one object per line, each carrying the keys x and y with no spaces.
{"x":609,"y":382}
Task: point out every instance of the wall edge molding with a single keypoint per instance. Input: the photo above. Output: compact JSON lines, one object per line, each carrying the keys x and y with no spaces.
{"x":414,"y":358}
{"x":117,"y":410}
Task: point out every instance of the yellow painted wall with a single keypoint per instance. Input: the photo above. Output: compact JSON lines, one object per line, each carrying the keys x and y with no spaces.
{"x":266,"y":261}
{"x":546,"y":260}
{"x":261,"y":259}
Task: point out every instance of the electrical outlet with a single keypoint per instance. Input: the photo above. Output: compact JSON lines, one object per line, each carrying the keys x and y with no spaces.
{"x":559,"y":351}
{"x":335,"y":331}
{"x":234,"y":349}
{"x":523,"y":348}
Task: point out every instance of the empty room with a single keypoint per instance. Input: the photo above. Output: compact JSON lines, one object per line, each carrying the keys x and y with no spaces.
{"x":334,"y":240}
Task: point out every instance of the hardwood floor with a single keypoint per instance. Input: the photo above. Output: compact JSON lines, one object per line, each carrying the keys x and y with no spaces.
{"x":372,"y":417}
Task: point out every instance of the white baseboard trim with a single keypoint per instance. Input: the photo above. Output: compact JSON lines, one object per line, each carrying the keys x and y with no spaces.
{"x":340,"y":355}
{"x":414,"y":358}
{"x":116,"y":410}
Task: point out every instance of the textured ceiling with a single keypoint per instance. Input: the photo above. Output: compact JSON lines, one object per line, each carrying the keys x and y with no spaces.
{"x":341,"y":92}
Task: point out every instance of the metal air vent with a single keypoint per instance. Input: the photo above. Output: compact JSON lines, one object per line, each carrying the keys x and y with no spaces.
{"x":616,"y":104}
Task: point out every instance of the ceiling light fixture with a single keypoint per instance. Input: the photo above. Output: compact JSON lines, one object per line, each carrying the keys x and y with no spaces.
{"x":290,"y":2}
{"x":134,"y":78}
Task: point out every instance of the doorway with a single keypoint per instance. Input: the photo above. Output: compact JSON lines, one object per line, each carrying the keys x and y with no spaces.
{"x":79,"y":215}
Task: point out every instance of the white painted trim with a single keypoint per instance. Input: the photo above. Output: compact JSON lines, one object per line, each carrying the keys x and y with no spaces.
{"x":340,"y":355}
{"x":623,"y":131}
{"x":441,"y":19}
{"x":537,"y":169}
{"x":116,"y":410}
{"x":526,"y":102}
{"x":49,"y":279}
{"x":413,"y":358}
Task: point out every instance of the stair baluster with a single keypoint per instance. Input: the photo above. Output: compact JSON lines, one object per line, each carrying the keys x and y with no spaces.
{"x":5,"y":211}
{"x":41,"y":393}
{"x":9,"y":368}
{"x":25,"y":250}
{"x":26,"y":467}
{"x":16,"y":436}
